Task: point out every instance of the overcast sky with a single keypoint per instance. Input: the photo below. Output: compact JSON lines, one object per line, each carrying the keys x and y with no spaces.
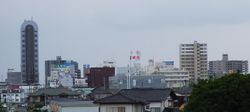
{"x":90,"y":31}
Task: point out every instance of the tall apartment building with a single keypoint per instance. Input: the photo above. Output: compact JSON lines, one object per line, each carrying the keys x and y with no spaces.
{"x":219,"y":68}
{"x":193,"y":58}
{"x":29,"y":53}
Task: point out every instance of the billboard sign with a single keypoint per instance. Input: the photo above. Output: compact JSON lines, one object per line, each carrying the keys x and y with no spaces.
{"x":62,"y":74}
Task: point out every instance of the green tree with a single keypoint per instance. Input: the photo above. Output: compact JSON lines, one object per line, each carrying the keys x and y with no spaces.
{"x":230,"y":93}
{"x":2,"y":109}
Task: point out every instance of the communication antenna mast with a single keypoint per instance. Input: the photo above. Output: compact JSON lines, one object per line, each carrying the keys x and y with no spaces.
{"x":129,"y":70}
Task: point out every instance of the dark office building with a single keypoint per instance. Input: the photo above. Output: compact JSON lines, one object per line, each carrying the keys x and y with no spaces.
{"x":99,"y":76}
{"x":14,"y":78}
{"x":29,"y":53}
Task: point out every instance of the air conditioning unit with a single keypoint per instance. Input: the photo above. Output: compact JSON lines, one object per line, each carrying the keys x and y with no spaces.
{"x":147,"y":108}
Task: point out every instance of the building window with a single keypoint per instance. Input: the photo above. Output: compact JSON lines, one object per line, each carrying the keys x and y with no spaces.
{"x":149,"y":81}
{"x":115,"y":109}
{"x":155,"y":109}
{"x":162,"y":81}
{"x":134,"y":82}
{"x":120,"y":82}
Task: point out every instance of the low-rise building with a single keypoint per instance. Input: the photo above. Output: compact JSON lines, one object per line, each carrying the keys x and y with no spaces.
{"x":183,"y":94}
{"x":138,"y":100}
{"x":80,"y":82}
{"x":174,"y":77}
{"x":122,"y":103}
{"x":12,"y":95}
{"x":102,"y":92}
{"x":69,"y":105}
{"x":156,"y":75}
{"x":44,"y":95}
{"x":156,"y":80}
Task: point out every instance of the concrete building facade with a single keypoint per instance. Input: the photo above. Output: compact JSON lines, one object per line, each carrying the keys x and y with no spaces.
{"x":193,"y":58}
{"x":99,"y":76}
{"x":61,"y":72}
{"x":11,"y":94}
{"x":150,"y":81}
{"x":219,"y":68}
{"x":14,"y":78}
{"x":156,"y":75}
{"x":29,"y":53}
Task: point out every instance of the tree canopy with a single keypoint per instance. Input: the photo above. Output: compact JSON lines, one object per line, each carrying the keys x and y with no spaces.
{"x":230,"y":93}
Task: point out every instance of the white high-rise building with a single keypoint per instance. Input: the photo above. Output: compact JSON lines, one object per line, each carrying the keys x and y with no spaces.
{"x":193,"y":58}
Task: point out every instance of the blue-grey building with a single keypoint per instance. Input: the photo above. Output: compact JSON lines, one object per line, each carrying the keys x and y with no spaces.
{"x":219,"y":68}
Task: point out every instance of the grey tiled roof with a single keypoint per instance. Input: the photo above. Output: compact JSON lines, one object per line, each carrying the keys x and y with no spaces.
{"x":102,"y":90}
{"x":184,"y":90}
{"x":122,"y":98}
{"x":73,"y":103}
{"x":137,"y":95}
{"x":54,"y":92}
{"x":149,"y":94}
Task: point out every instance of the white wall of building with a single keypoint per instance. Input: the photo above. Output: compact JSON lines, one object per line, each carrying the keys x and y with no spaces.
{"x":79,"y":109}
{"x":11,"y":97}
{"x":128,"y":107}
{"x":80,"y":82}
{"x":156,"y":105}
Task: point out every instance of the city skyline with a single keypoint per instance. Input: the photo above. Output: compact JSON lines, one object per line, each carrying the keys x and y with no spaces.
{"x":155,"y":28}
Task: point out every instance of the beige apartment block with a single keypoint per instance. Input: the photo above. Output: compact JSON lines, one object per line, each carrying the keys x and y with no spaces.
{"x":193,"y":58}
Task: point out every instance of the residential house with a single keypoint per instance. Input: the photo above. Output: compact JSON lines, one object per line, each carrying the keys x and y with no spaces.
{"x":122,"y":102}
{"x":183,"y":94}
{"x":158,"y":99}
{"x":44,"y":95}
{"x":73,"y":105}
{"x":102,"y":92}
{"x":11,"y":94}
{"x":138,"y":100}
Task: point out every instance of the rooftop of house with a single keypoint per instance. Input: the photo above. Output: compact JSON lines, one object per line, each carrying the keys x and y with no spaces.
{"x":103,"y":90}
{"x":150,"y":94}
{"x":122,"y":98}
{"x":183,"y":91}
{"x":73,"y":103}
{"x":85,"y":91}
{"x":54,"y":92}
{"x":138,"y":96}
